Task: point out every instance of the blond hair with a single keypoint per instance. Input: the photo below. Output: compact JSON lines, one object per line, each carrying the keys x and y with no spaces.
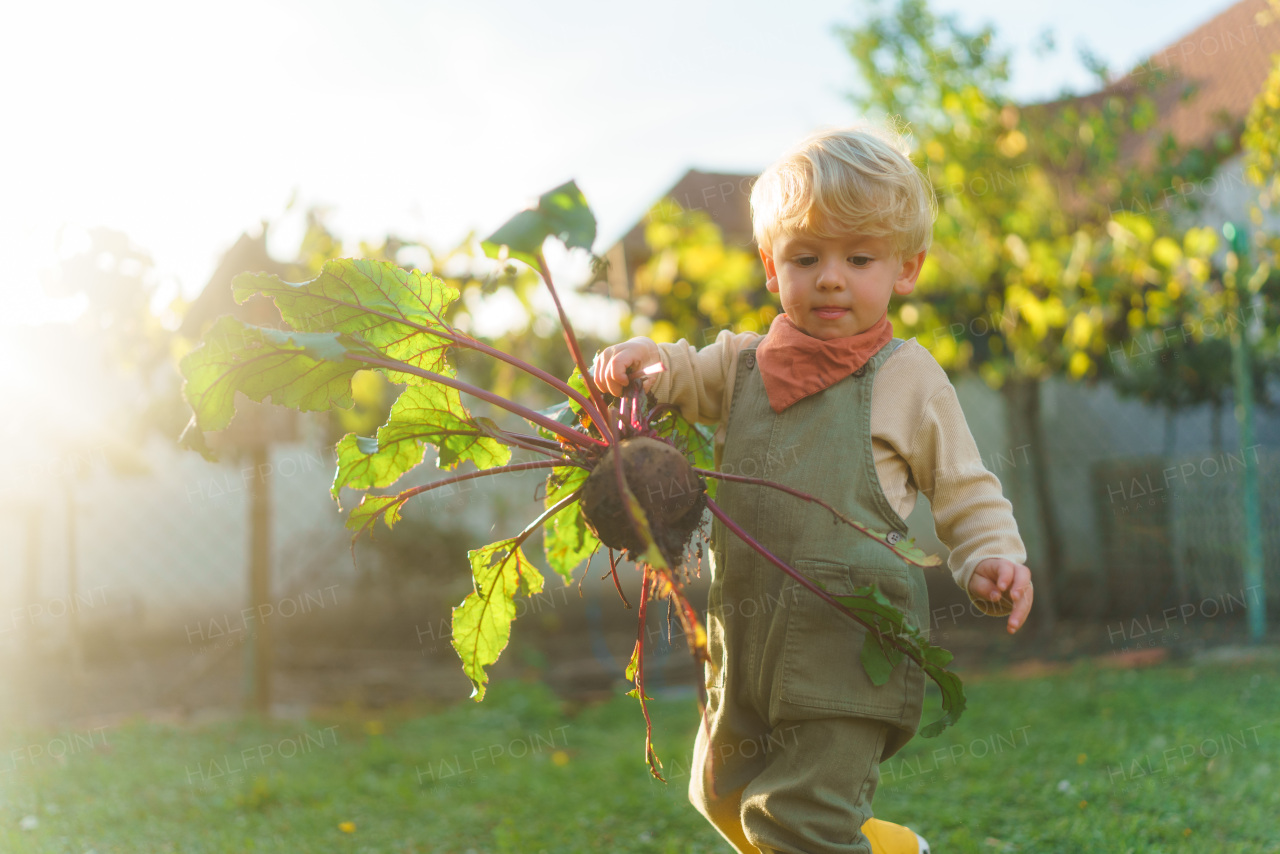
{"x":859,"y":179}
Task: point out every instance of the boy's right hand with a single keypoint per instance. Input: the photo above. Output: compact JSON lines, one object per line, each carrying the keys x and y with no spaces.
{"x":614,"y":367}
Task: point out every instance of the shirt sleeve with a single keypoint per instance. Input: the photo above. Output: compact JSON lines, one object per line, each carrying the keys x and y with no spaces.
{"x":971,"y":516}
{"x":699,"y":382}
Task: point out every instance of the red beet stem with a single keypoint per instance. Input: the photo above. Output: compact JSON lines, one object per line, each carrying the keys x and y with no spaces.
{"x":514,"y":467}
{"x":736,"y":529}
{"x":575,"y":436}
{"x":572,"y":340}
{"x":463,"y":340}
{"x":418,"y":490}
{"x":738,"y":478}
{"x":545,"y":515}
{"x":523,"y":440}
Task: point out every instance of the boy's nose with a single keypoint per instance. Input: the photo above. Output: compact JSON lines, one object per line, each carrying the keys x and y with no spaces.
{"x":830,"y":277}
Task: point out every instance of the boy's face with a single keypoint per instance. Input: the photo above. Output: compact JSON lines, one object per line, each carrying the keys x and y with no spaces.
{"x":837,"y":287}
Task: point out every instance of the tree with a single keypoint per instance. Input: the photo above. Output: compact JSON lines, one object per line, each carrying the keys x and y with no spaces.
{"x":1029,"y":274}
{"x":690,"y":256}
{"x":118,"y":280}
{"x":1179,"y":353}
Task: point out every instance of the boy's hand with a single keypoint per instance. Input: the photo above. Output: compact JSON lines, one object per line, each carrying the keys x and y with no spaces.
{"x":615,"y":367}
{"x":996,"y":578}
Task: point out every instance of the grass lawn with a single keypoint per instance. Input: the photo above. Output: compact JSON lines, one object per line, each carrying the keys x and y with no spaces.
{"x":1174,"y":758}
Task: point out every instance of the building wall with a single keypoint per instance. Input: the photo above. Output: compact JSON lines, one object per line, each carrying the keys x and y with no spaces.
{"x":1091,"y":433}
{"x":162,"y":552}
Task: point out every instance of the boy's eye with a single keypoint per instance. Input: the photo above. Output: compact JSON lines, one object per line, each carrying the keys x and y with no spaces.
{"x":860,"y":260}
{"x":806,"y":260}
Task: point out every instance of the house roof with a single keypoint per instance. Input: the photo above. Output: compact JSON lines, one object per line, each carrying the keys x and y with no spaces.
{"x":726,"y":198}
{"x":248,"y":254}
{"x":1227,"y":58}
{"x":1224,"y":61}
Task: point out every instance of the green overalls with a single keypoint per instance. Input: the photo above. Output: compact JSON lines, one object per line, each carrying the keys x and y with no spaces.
{"x":794,"y":728}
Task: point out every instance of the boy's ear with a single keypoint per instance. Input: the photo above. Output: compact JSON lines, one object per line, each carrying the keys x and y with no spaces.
{"x":910,"y":271}
{"x":770,"y":275}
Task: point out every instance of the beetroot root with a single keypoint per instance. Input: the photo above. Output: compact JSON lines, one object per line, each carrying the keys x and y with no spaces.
{"x":670,"y":491}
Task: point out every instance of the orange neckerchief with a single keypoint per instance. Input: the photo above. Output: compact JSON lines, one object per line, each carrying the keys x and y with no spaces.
{"x":794,"y":364}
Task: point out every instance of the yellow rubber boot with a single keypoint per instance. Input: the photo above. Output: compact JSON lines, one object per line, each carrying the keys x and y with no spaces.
{"x":889,"y":838}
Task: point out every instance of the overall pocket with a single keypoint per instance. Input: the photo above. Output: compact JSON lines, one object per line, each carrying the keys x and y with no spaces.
{"x":822,"y":649}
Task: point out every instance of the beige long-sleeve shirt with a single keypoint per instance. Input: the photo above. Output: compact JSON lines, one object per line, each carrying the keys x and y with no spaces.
{"x":919,"y":438}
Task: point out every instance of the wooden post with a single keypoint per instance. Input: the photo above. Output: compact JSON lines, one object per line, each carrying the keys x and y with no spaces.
{"x":28,"y":663}
{"x":260,"y":581}
{"x":250,"y":431}
{"x":73,"y":582}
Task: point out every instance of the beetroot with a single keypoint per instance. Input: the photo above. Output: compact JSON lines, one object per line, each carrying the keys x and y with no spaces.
{"x":672,"y":495}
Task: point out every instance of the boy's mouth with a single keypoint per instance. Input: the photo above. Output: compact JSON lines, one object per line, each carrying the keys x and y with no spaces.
{"x":830,"y":312}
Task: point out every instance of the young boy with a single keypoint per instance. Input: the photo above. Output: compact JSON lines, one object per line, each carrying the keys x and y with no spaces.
{"x":830,"y":403}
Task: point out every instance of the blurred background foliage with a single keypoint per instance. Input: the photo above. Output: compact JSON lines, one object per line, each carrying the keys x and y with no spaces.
{"x":118,"y":283}
{"x":694,"y":281}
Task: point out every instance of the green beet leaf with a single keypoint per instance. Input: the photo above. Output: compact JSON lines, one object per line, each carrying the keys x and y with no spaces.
{"x":307,"y":371}
{"x":879,"y":658}
{"x":430,"y":414}
{"x":567,"y":541}
{"x":890,"y":637}
{"x":578,"y":384}
{"x":370,"y":508}
{"x":560,"y":213}
{"x":397,"y":311}
{"x":482,"y":623}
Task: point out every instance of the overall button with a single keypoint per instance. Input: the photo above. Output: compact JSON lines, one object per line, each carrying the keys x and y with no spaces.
{"x":751,"y":360}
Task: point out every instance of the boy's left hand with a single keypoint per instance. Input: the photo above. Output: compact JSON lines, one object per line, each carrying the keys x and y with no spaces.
{"x":997,"y":578}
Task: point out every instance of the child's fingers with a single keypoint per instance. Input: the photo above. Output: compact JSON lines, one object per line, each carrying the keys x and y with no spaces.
{"x":598,"y":366}
{"x":615,"y":375}
{"x":605,"y":371}
{"x":1006,"y":574}
{"x":627,"y":365}
{"x":603,"y":379}
{"x":992,"y":578}
{"x":620,"y":374}
{"x":1022,"y":596}
{"x":983,"y":587}
{"x":1003,"y":581}
{"x":615,"y":367}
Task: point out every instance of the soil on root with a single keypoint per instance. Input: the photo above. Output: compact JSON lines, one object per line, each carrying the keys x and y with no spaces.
{"x":672,"y":495}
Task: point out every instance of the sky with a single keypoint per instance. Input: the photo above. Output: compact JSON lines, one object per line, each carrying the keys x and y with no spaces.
{"x":183,"y":125}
